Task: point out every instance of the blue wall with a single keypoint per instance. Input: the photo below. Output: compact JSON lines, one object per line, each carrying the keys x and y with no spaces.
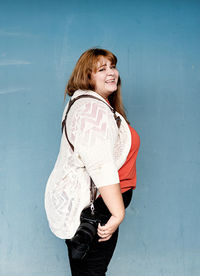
{"x":157,"y":44}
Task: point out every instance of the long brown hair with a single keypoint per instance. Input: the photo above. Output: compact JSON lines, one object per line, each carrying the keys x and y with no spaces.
{"x":81,"y":77}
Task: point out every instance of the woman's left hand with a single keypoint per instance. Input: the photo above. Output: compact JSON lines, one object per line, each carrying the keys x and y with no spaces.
{"x":105,"y":232}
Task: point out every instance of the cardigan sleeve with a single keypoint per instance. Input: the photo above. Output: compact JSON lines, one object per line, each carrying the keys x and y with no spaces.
{"x":94,"y":139}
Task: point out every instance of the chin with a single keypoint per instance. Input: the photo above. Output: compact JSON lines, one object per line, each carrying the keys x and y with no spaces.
{"x":112,"y":89}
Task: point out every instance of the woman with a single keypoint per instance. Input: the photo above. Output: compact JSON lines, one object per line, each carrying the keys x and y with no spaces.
{"x":93,"y":147}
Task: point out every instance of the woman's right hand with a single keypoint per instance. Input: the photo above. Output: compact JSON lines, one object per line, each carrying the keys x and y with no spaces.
{"x":105,"y":232}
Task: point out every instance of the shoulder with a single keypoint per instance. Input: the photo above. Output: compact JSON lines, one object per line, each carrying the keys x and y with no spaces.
{"x":89,"y":102}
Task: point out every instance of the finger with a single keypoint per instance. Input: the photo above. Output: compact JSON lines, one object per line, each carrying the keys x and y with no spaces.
{"x":103,"y":234}
{"x":100,"y":234}
{"x":103,"y":230}
{"x":102,"y":227}
{"x":105,"y":239}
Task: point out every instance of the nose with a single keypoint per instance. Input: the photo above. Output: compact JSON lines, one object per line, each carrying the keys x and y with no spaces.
{"x":110,"y":71}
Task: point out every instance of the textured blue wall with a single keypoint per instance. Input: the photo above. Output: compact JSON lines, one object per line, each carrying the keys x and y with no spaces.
{"x":157,"y":44}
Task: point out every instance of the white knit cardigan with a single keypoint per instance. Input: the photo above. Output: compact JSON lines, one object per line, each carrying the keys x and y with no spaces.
{"x":100,"y":149}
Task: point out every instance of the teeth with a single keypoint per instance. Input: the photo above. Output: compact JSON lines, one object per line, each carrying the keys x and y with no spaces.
{"x":110,"y":81}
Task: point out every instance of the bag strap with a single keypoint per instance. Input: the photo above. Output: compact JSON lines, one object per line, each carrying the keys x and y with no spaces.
{"x":93,"y":189}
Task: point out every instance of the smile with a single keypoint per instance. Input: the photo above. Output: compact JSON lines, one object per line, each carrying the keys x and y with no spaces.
{"x":110,"y":81}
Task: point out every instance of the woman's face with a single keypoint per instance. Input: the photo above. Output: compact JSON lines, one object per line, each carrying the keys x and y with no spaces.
{"x":105,"y":78}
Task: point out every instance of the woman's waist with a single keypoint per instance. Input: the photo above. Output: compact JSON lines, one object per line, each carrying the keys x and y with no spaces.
{"x":102,"y":208}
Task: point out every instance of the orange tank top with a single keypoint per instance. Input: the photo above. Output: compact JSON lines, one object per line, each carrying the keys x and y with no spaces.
{"x":127,"y":173}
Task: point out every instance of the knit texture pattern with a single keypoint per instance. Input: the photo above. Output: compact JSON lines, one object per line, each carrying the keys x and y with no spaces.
{"x":100,"y":149}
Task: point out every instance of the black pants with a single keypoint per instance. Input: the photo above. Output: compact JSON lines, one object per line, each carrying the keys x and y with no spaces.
{"x":97,"y":259}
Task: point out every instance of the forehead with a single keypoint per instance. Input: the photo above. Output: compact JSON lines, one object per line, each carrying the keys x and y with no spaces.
{"x":103,"y":60}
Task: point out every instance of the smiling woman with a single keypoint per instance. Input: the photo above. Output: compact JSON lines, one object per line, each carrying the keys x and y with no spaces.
{"x":98,"y":152}
{"x":86,"y":66}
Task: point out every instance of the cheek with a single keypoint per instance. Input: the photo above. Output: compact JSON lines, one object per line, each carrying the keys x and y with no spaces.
{"x":99,"y":81}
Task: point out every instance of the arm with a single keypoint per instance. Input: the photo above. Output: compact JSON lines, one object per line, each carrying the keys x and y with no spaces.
{"x":112,"y":197}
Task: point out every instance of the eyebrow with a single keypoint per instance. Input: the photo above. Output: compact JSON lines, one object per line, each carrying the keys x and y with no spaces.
{"x":104,"y":65}
{"x":101,"y":65}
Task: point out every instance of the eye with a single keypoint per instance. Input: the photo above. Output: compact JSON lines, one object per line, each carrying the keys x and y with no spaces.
{"x":113,"y":66}
{"x":101,"y":69}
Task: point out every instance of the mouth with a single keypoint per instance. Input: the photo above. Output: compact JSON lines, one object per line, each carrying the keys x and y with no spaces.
{"x":112,"y":81}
